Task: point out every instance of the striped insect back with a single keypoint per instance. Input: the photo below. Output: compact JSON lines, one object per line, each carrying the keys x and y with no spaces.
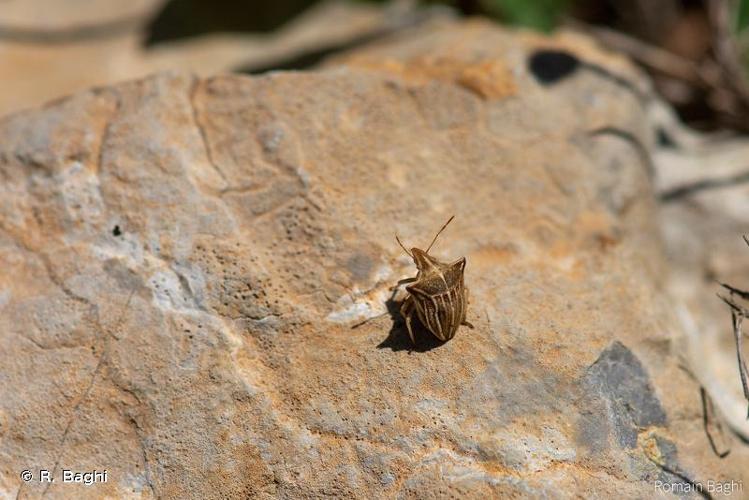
{"x":437,"y":295}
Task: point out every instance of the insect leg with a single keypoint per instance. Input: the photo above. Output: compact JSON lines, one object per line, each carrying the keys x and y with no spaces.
{"x":403,"y":282}
{"x":464,"y":322}
{"x":407,"y":311}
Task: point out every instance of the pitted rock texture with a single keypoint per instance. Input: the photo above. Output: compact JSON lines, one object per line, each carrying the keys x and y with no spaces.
{"x":184,"y":260}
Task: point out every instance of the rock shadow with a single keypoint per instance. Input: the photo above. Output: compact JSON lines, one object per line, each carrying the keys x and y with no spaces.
{"x":398,"y":339}
{"x":181,"y":19}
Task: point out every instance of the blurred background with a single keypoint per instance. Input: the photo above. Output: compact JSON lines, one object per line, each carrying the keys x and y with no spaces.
{"x":696,"y":51}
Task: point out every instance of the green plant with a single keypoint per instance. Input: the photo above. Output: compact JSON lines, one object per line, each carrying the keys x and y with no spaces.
{"x":539,"y":14}
{"x":742,"y":33}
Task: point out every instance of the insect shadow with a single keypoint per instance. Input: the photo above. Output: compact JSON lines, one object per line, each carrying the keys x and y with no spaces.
{"x":398,"y":340}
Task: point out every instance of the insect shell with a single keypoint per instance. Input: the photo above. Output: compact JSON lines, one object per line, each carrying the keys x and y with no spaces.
{"x":437,"y":295}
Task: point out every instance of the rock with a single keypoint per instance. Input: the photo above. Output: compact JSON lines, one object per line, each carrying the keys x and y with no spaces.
{"x":40,"y":15}
{"x":185,"y":261}
{"x":48,"y":49}
{"x":701,"y":181}
{"x":618,"y":377}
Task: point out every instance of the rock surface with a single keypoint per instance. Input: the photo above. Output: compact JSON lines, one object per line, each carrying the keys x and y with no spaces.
{"x":184,"y":260}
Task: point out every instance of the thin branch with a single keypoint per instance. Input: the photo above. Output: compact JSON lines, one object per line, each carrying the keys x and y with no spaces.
{"x":726,"y":49}
{"x":650,"y":56}
{"x":740,"y":293}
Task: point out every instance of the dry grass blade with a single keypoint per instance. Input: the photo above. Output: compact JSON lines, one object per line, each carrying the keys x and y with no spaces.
{"x":738,"y":314}
{"x":737,"y":319}
{"x":713,"y":426}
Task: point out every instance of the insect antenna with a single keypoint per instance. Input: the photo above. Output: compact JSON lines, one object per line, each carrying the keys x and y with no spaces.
{"x":439,"y":232}
{"x":403,"y":247}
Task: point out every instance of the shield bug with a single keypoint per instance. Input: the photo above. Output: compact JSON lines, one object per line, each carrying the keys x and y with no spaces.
{"x":437,"y":294}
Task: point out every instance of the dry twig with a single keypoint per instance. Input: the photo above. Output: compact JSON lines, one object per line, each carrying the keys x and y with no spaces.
{"x":738,"y":314}
{"x":713,"y":426}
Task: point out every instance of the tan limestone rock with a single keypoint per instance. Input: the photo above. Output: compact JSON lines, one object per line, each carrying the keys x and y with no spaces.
{"x":183,"y":261}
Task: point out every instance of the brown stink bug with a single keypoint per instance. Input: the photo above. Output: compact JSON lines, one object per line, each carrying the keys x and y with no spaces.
{"x":437,"y":294}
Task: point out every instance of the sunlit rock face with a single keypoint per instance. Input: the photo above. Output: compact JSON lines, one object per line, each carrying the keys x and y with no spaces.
{"x":184,"y":260}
